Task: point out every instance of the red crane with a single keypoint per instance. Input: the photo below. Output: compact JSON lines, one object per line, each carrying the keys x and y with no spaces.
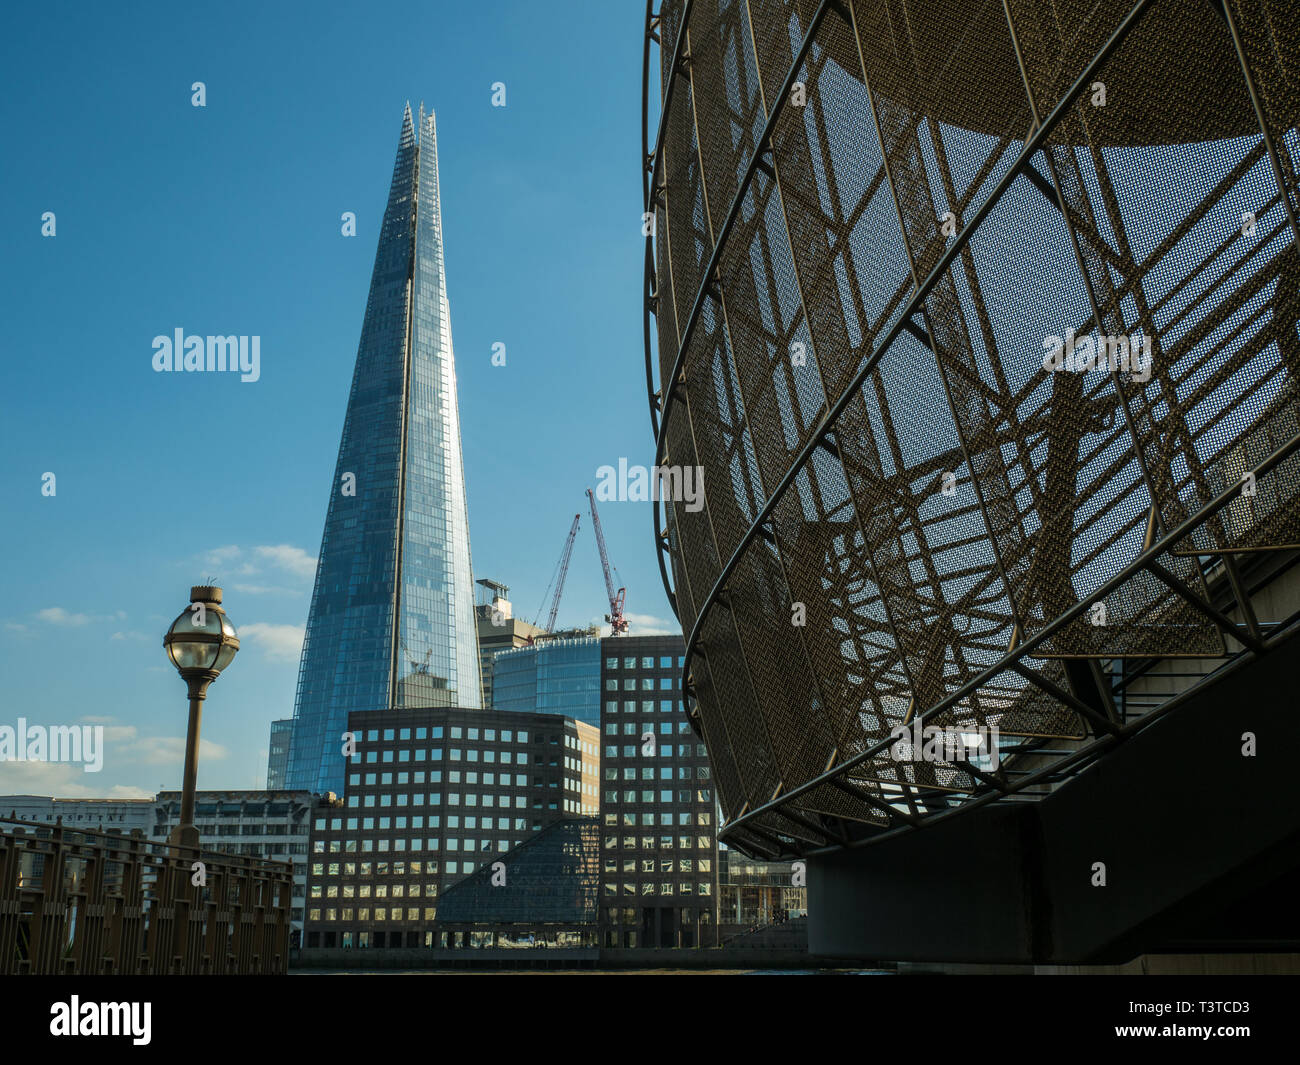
{"x":561,"y":571}
{"x":617,"y":623}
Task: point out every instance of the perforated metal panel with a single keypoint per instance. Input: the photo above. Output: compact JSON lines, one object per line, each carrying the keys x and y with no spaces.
{"x":871,"y":220}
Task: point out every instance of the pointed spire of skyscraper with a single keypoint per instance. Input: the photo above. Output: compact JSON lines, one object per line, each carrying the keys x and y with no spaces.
{"x":392,"y":620}
{"x":408,"y":128}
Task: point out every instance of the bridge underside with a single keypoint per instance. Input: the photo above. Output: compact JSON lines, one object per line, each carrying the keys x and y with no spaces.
{"x":1200,"y":845}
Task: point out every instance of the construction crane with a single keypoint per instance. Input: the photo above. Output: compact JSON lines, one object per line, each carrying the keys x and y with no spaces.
{"x":557,"y":578}
{"x":617,"y":623}
{"x":418,"y":666}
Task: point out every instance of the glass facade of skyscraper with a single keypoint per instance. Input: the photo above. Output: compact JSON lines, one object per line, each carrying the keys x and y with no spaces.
{"x":552,"y":677}
{"x":277,"y":762}
{"x":391,"y":620}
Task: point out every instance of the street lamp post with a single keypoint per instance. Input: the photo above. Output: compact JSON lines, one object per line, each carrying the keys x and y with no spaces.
{"x":200,"y":644}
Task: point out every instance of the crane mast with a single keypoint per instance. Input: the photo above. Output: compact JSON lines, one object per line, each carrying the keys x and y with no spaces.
{"x":617,"y":623}
{"x":563,"y":572}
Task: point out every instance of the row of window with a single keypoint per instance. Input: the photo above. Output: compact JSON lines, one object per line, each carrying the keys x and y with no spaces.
{"x":683,"y":887}
{"x":383,"y":846}
{"x":398,"y":868}
{"x":276,"y":828}
{"x":665,"y":728}
{"x":666,"y":772}
{"x":362,"y":891}
{"x":209,"y":830}
{"x":647,"y":662}
{"x":573,"y":743}
{"x":370,"y":824}
{"x":703,"y":818}
{"x":664,"y":866}
{"x":666,"y":795}
{"x":454,"y":798}
{"x":666,"y":706}
{"x":666,"y":843}
{"x":665,"y":751}
{"x":366,"y":940}
{"x":211,"y":809}
{"x":434,"y":754}
{"x":264,"y":850}
{"x":436,"y":733}
{"x":454,"y":776}
{"x":647,"y":684}
{"x":364,"y":913}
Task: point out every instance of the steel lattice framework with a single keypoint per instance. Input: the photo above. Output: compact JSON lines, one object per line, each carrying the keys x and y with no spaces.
{"x":866,"y":218}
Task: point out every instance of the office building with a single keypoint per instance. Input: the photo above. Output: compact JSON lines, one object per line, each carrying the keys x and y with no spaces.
{"x":556,"y":675}
{"x":753,"y":893}
{"x":117,"y":816}
{"x":432,"y":796}
{"x":498,"y":629}
{"x":277,"y":761}
{"x":659,"y":871}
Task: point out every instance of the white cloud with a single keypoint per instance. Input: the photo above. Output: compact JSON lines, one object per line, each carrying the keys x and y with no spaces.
{"x":128,"y":791}
{"x":219,"y":556}
{"x":233,"y":561}
{"x":56,"y":615}
{"x":279,"y":643}
{"x":119,"y":733}
{"x":293,"y":559}
{"x":65,"y":780}
{"x":161,"y":750}
{"x":221,"y":562}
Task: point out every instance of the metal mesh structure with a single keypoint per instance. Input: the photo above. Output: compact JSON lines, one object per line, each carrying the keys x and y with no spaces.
{"x":980,"y":320}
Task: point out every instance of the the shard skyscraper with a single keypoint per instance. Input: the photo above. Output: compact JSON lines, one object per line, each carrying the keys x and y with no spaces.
{"x":392,"y":615}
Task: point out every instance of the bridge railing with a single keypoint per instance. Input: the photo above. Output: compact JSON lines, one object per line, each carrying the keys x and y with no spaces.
{"x":87,"y":902}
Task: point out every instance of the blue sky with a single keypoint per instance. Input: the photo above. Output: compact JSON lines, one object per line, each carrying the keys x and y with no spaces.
{"x":226,"y":219}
